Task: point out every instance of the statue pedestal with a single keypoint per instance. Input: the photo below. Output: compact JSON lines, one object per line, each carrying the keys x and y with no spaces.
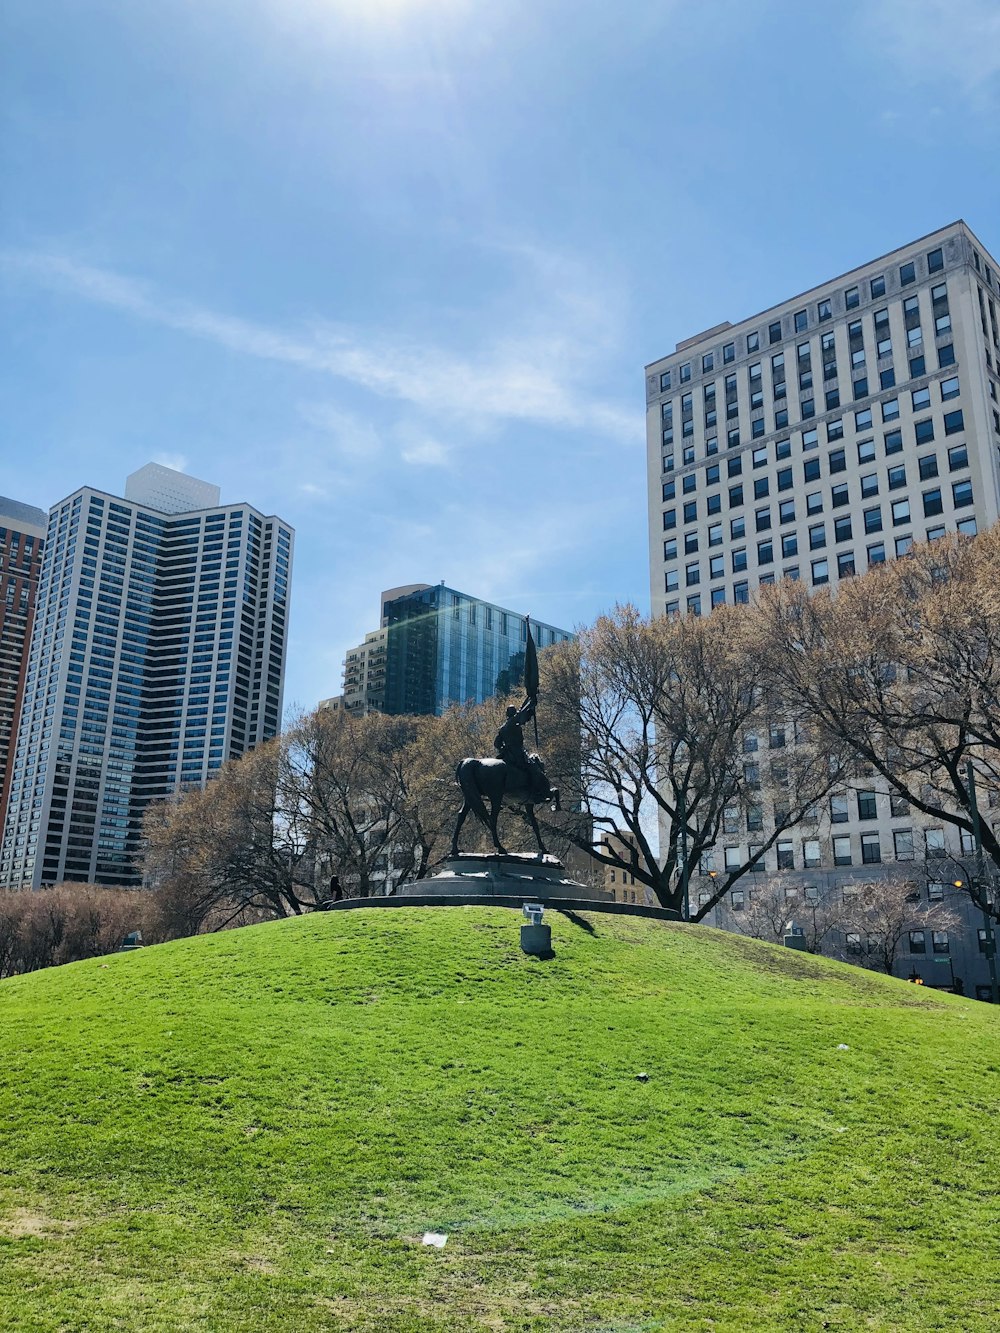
{"x":529,"y":877}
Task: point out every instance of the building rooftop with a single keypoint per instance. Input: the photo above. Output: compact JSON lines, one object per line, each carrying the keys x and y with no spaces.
{"x":169,"y":491}
{"x":19,"y":514}
{"x":839,"y":280}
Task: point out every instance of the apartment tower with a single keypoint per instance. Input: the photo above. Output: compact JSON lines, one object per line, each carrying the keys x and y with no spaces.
{"x":157,"y":653}
{"x":22,"y":540}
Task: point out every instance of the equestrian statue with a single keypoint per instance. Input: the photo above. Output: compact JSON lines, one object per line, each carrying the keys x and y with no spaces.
{"x":514,"y":777}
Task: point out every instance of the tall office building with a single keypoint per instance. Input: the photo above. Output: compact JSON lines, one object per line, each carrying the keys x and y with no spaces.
{"x":822,"y":437}
{"x":22,"y":540}
{"x":436,"y":647}
{"x":157,"y":653}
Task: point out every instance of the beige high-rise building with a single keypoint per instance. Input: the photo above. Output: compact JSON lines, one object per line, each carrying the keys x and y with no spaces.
{"x":815,"y":440}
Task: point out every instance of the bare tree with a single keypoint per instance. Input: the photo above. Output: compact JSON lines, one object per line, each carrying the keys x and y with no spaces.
{"x":881,"y":912}
{"x":903,"y":666}
{"x":69,"y":922}
{"x":236,"y":846}
{"x":345,"y":779}
{"x":668,"y":718}
{"x":768,"y":908}
{"x":335,"y":796}
{"x":430,"y":794}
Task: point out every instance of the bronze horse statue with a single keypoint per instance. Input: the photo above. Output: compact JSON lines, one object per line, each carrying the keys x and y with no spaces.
{"x":500,"y":784}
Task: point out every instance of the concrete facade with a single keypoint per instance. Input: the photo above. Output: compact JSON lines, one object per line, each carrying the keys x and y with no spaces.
{"x":813,"y":441}
{"x":158,"y":653}
{"x":622,"y":884}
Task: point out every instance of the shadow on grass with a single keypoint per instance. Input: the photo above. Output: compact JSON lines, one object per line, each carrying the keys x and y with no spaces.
{"x":577,"y":920}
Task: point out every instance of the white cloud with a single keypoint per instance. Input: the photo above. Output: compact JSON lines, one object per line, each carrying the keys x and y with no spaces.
{"x":421,"y":450}
{"x":941,"y":39}
{"x":350,"y":437}
{"x":536,"y":374}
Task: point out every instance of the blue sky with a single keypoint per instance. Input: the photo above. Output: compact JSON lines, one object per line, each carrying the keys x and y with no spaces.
{"x":392,"y":268}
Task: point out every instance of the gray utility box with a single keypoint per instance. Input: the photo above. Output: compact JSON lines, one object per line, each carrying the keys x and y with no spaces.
{"x":795,"y":937}
{"x":536,"y":939}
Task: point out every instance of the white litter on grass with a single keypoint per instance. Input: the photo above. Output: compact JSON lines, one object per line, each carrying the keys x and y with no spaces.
{"x":842,"y":1047}
{"x":436,"y":1238}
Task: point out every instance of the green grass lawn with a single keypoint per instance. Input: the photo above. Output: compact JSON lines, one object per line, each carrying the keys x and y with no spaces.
{"x":251,"y":1131}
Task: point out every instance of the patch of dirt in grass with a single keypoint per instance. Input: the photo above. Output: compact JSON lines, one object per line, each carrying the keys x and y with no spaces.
{"x":257,"y":1263}
{"x":24,"y":1223}
{"x":491,"y":1311}
{"x":799,"y":966}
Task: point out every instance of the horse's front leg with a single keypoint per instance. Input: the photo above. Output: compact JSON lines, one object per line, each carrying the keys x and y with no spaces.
{"x":495,"y":805}
{"x":530,"y":812}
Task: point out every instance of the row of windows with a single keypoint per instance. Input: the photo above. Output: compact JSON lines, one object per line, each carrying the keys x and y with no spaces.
{"x":896,"y":479}
{"x":847,"y":849}
{"x":857,"y":945}
{"x":920,"y":400}
{"x":810,"y":894}
{"x":839,"y":497}
{"x":927,"y":466}
{"x":828,"y":350}
{"x":801,"y":320}
{"x":821,"y":570}
{"x":843,"y":527}
{"x":889,"y":410}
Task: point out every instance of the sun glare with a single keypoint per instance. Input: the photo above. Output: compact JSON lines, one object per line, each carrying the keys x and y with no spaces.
{"x":379,"y":11}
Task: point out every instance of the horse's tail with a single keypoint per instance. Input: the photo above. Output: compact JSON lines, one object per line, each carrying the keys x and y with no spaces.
{"x":465,"y":776}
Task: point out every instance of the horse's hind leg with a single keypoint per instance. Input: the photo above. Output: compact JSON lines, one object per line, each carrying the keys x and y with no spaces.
{"x":530,"y":812}
{"x":458,"y":827}
{"x":495,"y":804}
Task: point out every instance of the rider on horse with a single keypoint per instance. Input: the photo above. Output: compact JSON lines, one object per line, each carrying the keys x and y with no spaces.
{"x":514,"y":777}
{"x":509,"y":744}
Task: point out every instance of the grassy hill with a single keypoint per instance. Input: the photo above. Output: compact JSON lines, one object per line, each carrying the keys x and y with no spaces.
{"x":251,"y":1131}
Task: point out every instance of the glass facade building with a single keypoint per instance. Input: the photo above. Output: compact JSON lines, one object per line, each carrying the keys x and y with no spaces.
{"x":444,"y":647}
{"x":157,"y":653}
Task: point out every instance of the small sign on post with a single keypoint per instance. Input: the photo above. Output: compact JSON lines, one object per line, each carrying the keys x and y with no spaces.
{"x":536,"y":938}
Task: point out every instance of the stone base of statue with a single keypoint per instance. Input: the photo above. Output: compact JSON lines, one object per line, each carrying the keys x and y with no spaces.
{"x":529,"y":877}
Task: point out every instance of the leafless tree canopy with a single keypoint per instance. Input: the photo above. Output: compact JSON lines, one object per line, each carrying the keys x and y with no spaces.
{"x":672,"y":718}
{"x":880,"y":913}
{"x":331,"y":801}
{"x":770,"y":907}
{"x":903,"y":667}
{"x":70,"y":922}
{"x":863,"y":921}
